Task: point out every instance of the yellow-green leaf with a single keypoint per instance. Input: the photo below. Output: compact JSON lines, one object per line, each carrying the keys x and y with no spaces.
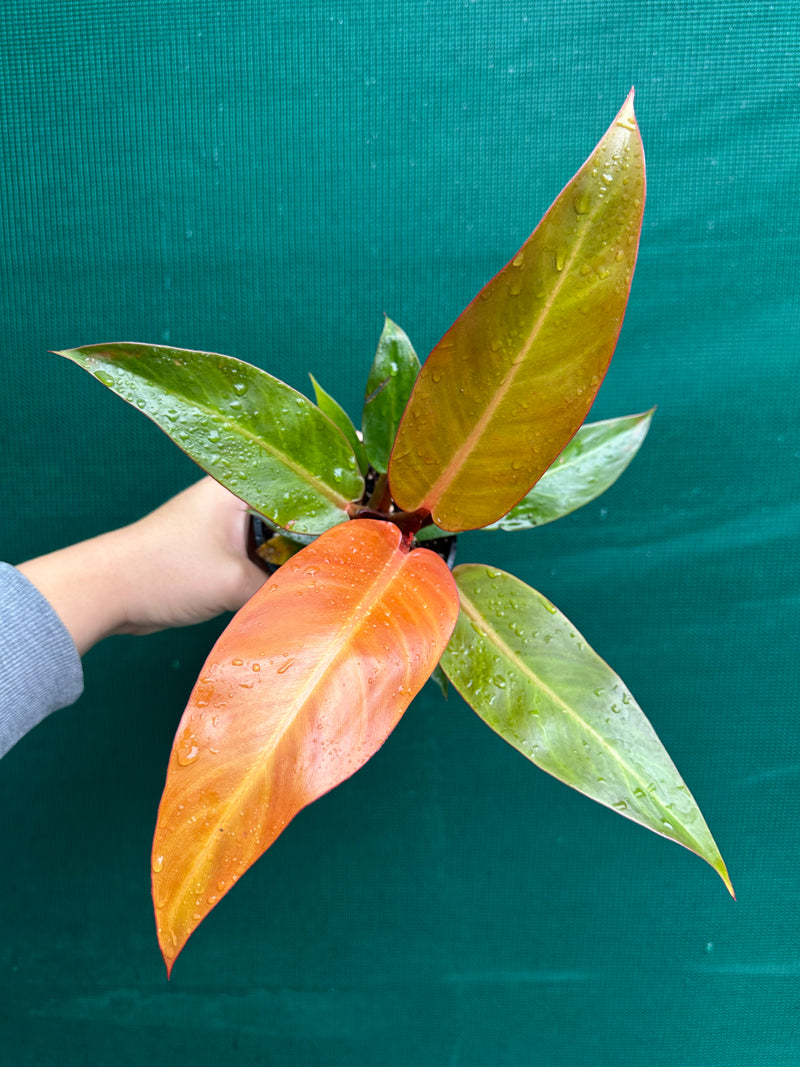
{"x":531,"y":676}
{"x":512,"y":380}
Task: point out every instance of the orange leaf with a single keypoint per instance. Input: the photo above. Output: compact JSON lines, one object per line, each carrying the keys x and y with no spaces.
{"x":301,"y":689}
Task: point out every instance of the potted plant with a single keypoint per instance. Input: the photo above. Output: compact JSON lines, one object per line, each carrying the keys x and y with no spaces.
{"x":314,"y":672}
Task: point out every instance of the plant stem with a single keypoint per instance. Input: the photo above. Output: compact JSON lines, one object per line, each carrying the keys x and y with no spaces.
{"x":380,"y":499}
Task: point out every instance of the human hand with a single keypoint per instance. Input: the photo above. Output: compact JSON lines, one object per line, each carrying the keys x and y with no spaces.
{"x":183,"y":563}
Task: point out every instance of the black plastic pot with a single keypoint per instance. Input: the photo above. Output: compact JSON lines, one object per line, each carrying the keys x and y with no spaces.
{"x":260,"y":534}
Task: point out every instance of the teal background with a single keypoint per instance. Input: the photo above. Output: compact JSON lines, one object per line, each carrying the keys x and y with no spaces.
{"x":266,"y":180}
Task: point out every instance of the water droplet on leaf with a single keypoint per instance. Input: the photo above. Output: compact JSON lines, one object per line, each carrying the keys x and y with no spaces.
{"x":582,"y":203}
{"x":187,"y":750}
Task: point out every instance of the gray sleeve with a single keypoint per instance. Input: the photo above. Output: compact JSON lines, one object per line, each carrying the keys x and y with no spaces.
{"x":40,"y":669}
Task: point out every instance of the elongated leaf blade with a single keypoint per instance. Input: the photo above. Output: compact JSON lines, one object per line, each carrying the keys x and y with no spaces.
{"x":525,"y":669}
{"x":512,"y":380}
{"x":303,"y":687}
{"x":339,"y":417}
{"x":256,"y":435}
{"x":391,"y":379}
{"x":591,"y":463}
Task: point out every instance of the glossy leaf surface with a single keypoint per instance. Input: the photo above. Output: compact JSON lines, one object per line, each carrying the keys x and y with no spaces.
{"x":305,"y":684}
{"x":339,"y":417}
{"x":256,"y":435}
{"x":391,"y":379}
{"x":510,"y":383}
{"x":591,"y":463}
{"x":531,"y":676}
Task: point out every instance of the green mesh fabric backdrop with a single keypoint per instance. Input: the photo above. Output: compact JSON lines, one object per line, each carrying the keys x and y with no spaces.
{"x":266,"y":179}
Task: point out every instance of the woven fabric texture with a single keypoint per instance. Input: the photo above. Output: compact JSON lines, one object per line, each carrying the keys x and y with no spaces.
{"x":266,"y":180}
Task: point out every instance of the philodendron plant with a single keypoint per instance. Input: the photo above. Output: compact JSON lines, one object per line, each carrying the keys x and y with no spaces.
{"x":315,"y":671}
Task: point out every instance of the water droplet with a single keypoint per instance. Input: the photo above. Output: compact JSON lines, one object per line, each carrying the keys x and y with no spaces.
{"x":499,"y":681}
{"x":582,"y":203}
{"x":518,"y":259}
{"x":213,"y":435}
{"x":496,"y":345}
{"x":284,"y":667}
{"x":559,"y":259}
{"x":240,"y":387}
{"x":550,"y":607}
{"x":158,"y":864}
{"x":105,"y":378}
{"x":256,"y":666}
{"x":621,"y":805}
{"x":607,"y":177}
{"x":187,"y":749}
{"x":237,"y":662}
{"x":619,"y":255}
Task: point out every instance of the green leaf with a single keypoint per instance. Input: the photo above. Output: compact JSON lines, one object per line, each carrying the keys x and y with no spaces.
{"x":441,"y":680}
{"x":339,"y":417}
{"x":592,"y":461}
{"x":262,"y":439}
{"x":391,"y":379}
{"x":430,"y":533}
{"x":512,"y":380}
{"x":532,"y":677}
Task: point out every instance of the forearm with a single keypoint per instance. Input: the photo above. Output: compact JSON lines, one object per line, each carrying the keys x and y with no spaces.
{"x":183,"y":563}
{"x":87,"y":586}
